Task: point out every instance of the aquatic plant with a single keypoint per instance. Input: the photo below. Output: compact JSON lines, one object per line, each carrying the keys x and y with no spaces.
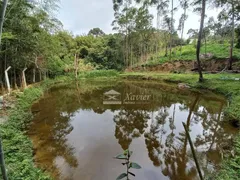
{"x":130,"y":165}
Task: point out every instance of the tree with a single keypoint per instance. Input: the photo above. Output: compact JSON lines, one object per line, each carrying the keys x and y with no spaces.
{"x":238,"y":37}
{"x":199,"y":40}
{"x":232,"y":7}
{"x":96,"y":32}
{"x":184,"y":4}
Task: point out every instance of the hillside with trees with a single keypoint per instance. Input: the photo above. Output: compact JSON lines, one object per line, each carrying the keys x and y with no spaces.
{"x":34,"y":39}
{"x":148,"y":41}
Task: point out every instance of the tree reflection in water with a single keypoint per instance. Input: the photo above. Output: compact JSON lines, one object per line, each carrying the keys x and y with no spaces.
{"x":129,"y":124}
{"x":158,"y":125}
{"x":174,"y":156}
{"x":153,"y":143}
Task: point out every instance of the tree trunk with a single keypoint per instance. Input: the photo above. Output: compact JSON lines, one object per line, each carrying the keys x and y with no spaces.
{"x":15,"y":78}
{"x":205,"y":40}
{"x":3,"y":11}
{"x":2,"y":162}
{"x":199,"y":41}
{"x":76,"y":66}
{"x":183,"y":24}
{"x":171,"y":33}
{"x":40,"y":75}
{"x":232,"y":42}
{"x":34,"y":75}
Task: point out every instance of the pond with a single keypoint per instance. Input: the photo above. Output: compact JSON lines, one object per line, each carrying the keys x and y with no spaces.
{"x":79,"y":128}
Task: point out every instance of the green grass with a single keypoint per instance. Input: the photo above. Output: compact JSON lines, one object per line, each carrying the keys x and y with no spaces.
{"x":230,"y":168}
{"x":17,"y":146}
{"x":219,"y":51}
{"x":98,"y":74}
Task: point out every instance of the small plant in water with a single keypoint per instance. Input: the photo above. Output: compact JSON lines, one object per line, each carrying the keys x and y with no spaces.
{"x":130,"y":165}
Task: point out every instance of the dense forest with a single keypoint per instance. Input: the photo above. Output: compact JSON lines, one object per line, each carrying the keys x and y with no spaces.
{"x":34,"y":39}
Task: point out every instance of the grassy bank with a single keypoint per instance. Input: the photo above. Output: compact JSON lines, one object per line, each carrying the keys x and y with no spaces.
{"x":220,"y":83}
{"x":95,"y":74}
{"x":18,"y":148}
{"x":218,"y":51}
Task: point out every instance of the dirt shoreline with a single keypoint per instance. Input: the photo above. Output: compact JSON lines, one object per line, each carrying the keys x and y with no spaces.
{"x":180,"y":66}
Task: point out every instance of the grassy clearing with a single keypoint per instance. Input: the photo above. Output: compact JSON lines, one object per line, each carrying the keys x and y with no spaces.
{"x":220,"y":83}
{"x":219,"y":51}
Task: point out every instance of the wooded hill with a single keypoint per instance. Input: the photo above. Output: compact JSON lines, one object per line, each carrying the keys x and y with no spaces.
{"x":34,"y":39}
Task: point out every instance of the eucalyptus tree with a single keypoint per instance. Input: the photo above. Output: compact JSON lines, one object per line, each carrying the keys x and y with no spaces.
{"x":134,"y":23}
{"x":121,"y":22}
{"x":203,"y":8}
{"x":233,"y":9}
{"x":185,"y":5}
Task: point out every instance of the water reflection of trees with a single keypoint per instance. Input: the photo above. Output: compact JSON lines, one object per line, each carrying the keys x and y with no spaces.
{"x":153,"y":140}
{"x":50,"y":129}
{"x":129,"y":124}
{"x":166,"y":146}
{"x":167,"y":149}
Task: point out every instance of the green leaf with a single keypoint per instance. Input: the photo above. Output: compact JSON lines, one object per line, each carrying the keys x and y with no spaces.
{"x":120,"y":156}
{"x":126,"y":152}
{"x":135,"y":165}
{"x":123,"y":175}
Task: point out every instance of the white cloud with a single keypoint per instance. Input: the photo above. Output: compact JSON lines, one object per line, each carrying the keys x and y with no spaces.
{"x":79,"y":16}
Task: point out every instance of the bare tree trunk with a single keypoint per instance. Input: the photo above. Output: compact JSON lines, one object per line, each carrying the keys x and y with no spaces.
{"x":205,"y":40}
{"x":171,"y":33}
{"x":40,"y":74}
{"x":34,"y":75}
{"x":183,"y":25}
{"x":199,"y":41}
{"x":2,"y":162}
{"x":166,"y":51}
{"x":76,"y":66}
{"x":3,"y":11}
{"x":15,"y":78}
{"x":232,"y":42}
{"x":131,"y":55}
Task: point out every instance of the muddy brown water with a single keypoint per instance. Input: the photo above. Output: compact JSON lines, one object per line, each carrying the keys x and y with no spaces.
{"x":79,"y":128}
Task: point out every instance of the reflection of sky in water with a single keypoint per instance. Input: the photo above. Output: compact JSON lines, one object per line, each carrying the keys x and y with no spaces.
{"x":95,"y":132}
{"x":92,"y":138}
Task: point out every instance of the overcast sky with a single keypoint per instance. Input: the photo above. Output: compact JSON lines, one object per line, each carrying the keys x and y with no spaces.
{"x":79,"y":16}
